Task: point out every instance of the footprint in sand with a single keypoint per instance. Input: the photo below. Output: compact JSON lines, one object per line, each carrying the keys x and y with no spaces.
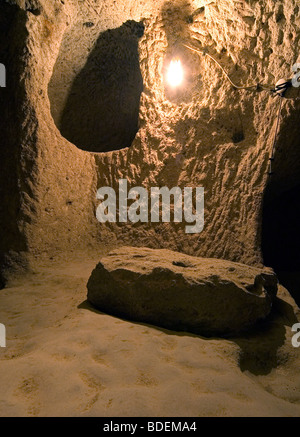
{"x":28,"y":390}
{"x":146,"y":380}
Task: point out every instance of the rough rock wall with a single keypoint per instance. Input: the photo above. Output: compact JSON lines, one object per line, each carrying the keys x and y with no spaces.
{"x":11,"y":236}
{"x":207,"y":134}
{"x":46,"y":181}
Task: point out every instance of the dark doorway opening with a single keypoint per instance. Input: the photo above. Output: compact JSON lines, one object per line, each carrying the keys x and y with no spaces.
{"x":281,"y":238}
{"x":281,"y":207}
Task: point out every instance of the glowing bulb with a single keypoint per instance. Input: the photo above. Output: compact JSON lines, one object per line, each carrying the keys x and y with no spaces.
{"x":175,"y":73}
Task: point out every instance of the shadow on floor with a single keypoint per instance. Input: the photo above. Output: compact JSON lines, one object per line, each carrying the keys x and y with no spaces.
{"x":258,"y":346}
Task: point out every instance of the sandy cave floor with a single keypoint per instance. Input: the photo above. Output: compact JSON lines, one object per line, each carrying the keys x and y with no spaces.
{"x":65,"y":359}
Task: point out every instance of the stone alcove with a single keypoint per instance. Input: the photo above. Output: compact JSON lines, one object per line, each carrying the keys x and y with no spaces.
{"x":98,"y":109}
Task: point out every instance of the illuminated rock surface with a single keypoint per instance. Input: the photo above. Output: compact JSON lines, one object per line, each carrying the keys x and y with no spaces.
{"x":181,"y":292}
{"x":204,"y":134}
{"x":78,"y":73}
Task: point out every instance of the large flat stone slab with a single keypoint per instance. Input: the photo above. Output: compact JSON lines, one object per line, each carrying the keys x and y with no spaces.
{"x":169,"y":289}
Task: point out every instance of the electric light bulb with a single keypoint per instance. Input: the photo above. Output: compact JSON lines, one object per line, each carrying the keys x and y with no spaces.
{"x":175,"y":73}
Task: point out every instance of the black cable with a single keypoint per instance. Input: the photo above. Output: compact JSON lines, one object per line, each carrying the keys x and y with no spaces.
{"x":279,"y":89}
{"x":275,"y":137}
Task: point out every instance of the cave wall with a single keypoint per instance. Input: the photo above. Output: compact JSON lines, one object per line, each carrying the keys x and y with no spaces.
{"x":207,"y":134}
{"x":281,"y":207}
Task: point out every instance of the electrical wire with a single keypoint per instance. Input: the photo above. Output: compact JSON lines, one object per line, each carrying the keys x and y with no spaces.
{"x":250,"y":87}
{"x":279,"y":90}
{"x":271,"y":159}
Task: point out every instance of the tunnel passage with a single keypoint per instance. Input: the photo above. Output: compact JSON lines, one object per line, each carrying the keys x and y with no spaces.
{"x":281,"y":240}
{"x":281,"y":209}
{"x":101,"y":110}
